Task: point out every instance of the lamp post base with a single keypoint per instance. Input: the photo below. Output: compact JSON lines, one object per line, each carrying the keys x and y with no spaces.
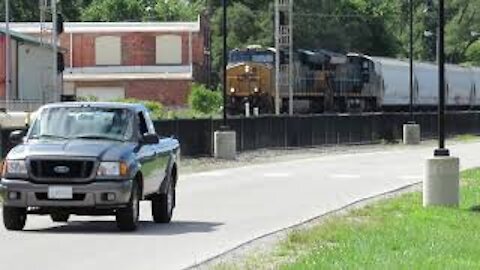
{"x":441,"y":182}
{"x":225,"y":145}
{"x":411,"y":134}
{"x":442,"y":152}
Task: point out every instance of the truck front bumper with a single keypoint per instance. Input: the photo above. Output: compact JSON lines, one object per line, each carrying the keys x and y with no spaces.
{"x":107,"y":194}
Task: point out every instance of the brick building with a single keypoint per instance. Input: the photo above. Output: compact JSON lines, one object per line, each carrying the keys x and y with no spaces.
{"x":150,"y":60}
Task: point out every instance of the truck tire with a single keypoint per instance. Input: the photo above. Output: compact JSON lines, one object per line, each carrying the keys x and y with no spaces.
{"x":163,"y":205}
{"x":60,"y":217}
{"x":127,"y":218}
{"x":14,"y":218}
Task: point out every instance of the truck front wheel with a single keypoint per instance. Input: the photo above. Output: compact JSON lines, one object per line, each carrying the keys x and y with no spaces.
{"x":127,"y":218}
{"x":163,"y":205}
{"x":14,"y":218}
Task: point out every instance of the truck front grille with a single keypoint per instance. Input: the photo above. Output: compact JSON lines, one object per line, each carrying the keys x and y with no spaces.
{"x":61,"y":169}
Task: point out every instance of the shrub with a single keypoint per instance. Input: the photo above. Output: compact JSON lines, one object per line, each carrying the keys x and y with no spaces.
{"x":204,"y":100}
{"x":156,"y":109}
{"x":87,"y":98}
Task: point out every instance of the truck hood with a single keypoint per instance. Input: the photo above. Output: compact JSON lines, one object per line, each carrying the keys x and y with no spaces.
{"x":99,"y":149}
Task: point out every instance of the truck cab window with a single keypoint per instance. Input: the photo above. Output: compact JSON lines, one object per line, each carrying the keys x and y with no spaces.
{"x":143,"y":128}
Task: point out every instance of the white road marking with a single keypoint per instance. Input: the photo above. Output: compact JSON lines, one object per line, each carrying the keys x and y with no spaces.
{"x":346,"y":176}
{"x":212,"y":173}
{"x":277,"y":175}
{"x":410,"y":177}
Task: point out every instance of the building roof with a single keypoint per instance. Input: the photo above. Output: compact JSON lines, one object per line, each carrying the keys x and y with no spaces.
{"x":23,"y":37}
{"x":110,"y":27}
{"x":125,"y":77}
{"x":111,"y":73}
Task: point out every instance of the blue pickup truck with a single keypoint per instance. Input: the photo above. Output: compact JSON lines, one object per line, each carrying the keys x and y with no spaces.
{"x":89,"y":158}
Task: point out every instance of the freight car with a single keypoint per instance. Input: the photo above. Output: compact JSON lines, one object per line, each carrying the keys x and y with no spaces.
{"x":461,"y":93}
{"x":323,"y":81}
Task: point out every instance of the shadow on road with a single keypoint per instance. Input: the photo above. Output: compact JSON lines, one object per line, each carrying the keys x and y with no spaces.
{"x":144,"y":228}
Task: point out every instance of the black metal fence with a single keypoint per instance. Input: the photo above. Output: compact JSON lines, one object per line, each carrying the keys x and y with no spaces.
{"x":196,"y":135}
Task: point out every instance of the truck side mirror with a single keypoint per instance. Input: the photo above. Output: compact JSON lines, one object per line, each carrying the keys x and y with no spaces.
{"x":16,"y":137}
{"x":150,"y":138}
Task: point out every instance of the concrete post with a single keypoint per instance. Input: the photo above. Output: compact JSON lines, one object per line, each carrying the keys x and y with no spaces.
{"x":255,"y":111}
{"x":411,"y":134}
{"x":441,"y":183}
{"x":247,"y":109}
{"x":225,"y":145}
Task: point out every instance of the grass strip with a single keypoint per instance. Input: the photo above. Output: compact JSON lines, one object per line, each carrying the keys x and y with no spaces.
{"x":395,"y":233}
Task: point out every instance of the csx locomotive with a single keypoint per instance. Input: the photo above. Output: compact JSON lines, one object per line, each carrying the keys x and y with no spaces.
{"x":323,"y":81}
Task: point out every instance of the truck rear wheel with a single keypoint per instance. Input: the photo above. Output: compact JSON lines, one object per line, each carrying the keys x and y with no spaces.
{"x":127,"y":218}
{"x":163,"y":205}
{"x":14,"y":218}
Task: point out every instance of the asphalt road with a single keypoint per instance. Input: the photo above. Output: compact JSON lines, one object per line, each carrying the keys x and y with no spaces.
{"x":218,"y":211}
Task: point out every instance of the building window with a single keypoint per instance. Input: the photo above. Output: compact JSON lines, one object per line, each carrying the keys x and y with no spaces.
{"x":169,"y":50}
{"x":108,"y":51}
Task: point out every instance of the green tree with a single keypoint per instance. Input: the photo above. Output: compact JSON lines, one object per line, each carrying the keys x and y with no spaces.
{"x":178,"y":10}
{"x":113,"y":10}
{"x":473,"y":53}
{"x":245,"y":27}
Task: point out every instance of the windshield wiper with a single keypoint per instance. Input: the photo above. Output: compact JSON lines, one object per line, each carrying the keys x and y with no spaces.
{"x":98,"y":137}
{"x":49,"y":136}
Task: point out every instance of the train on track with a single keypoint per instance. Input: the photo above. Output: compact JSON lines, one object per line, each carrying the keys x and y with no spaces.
{"x":325,"y":81}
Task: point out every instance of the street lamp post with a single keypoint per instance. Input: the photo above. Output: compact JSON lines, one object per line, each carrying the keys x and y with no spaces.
{"x":225,"y":60}
{"x":225,"y":146}
{"x":442,"y":173}
{"x":411,"y":131}
{"x":8,"y":61}
{"x":441,"y":151}
{"x":412,"y":121}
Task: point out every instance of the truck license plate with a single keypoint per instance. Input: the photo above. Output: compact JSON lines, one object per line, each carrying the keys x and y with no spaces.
{"x":60,"y":193}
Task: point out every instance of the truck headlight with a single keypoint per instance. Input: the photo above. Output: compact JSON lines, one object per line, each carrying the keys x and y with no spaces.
{"x":14,"y":167}
{"x":112,"y":169}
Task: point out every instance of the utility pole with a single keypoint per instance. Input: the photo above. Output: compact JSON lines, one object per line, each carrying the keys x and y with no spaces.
{"x":56,"y":93}
{"x":283,"y":45}
{"x":8,"y":59}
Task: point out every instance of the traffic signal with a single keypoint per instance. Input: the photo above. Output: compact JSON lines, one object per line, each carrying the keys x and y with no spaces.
{"x":60,"y":22}
{"x":60,"y":62}
{"x":283,"y":18}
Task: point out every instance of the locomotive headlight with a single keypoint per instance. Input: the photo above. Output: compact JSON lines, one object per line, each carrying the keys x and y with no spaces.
{"x":247,"y":69}
{"x":232,"y":90}
{"x":256,"y":90}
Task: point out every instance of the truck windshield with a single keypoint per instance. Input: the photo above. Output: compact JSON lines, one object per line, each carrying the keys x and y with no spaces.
{"x":83,"y":123}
